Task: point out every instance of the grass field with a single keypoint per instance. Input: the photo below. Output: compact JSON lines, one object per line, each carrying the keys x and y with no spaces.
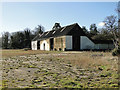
{"x":51,"y":69}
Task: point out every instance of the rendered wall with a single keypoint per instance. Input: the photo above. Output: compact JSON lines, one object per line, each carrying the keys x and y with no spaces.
{"x":86,"y":43}
{"x":34,"y":45}
{"x":104,"y":46}
{"x":111,"y":46}
{"x":46,"y":43}
{"x":59,"y":43}
{"x":69,"y":42}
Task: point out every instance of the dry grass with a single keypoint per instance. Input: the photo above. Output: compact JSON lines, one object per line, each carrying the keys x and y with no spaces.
{"x":80,"y":59}
{"x":91,"y":59}
{"x":59,"y":69}
{"x":21,"y":52}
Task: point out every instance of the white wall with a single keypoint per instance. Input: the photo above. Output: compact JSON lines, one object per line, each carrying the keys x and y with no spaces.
{"x":104,"y":46}
{"x":68,"y":42}
{"x":96,"y":46}
{"x":111,"y":46}
{"x":46,"y":45}
{"x":101,"y":46}
{"x":34,"y":45}
{"x":86,"y":43}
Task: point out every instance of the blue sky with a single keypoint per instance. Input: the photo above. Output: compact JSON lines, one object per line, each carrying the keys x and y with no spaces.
{"x":20,"y":15}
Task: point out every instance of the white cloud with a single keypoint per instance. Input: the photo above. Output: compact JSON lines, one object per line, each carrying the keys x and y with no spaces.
{"x":101,"y":24}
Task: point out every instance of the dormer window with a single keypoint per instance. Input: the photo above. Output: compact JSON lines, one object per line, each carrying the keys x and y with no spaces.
{"x":46,"y":33}
{"x":53,"y":32}
{"x":63,"y":29}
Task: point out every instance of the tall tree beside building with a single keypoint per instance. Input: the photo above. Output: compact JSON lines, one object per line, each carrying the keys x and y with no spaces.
{"x":27,"y":40}
{"x":86,"y":31}
{"x":93,"y":30}
{"x":103,"y":35}
{"x":39,"y":30}
{"x":118,"y":11}
{"x":111,"y":24}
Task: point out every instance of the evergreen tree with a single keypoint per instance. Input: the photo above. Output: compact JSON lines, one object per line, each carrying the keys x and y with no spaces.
{"x":85,"y":30}
{"x":93,"y":30}
{"x":5,"y":40}
{"x":27,"y":39}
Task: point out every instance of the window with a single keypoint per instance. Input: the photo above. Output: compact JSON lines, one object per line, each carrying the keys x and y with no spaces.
{"x":53,"y":32}
{"x":63,"y":29}
{"x":46,"y":33}
{"x":41,"y":34}
{"x":34,"y":45}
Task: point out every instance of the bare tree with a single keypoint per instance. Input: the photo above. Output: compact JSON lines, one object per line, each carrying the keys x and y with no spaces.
{"x":118,"y":11}
{"x":39,"y":30}
{"x":111,"y":24}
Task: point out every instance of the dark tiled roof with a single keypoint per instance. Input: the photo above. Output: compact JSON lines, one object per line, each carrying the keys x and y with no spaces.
{"x":101,"y":41}
{"x":64,"y":31}
{"x":36,"y":37}
{"x":55,"y":33}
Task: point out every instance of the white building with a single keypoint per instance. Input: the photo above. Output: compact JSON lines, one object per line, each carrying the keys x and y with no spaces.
{"x":68,"y":38}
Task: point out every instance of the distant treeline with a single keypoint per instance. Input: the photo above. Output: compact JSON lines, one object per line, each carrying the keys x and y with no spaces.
{"x":20,"y":39}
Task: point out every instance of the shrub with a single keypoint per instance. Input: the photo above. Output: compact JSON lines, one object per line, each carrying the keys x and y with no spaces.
{"x":116,"y":52}
{"x":25,"y":49}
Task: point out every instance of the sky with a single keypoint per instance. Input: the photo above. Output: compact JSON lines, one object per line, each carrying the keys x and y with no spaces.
{"x":16,"y":16}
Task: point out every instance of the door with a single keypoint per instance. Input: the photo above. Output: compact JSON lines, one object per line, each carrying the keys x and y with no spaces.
{"x":38,"y":45}
{"x":44,"y":46}
{"x":76,"y":43}
{"x":51,"y":43}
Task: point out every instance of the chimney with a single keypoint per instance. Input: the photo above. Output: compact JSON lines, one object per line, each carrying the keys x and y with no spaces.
{"x":56,"y":26}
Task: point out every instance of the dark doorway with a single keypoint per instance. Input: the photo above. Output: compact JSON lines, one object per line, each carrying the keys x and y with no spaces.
{"x":44,"y":46}
{"x":76,"y":43}
{"x":38,"y":45}
{"x":51,"y":43}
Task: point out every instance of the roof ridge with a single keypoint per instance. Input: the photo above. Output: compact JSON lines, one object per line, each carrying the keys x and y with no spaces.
{"x":64,"y":26}
{"x":70,"y":25}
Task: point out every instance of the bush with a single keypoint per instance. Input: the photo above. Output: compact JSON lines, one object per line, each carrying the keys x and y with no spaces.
{"x":116,"y":52}
{"x":25,"y":49}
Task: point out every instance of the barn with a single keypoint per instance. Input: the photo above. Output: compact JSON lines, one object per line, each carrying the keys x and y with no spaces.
{"x":68,"y":38}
